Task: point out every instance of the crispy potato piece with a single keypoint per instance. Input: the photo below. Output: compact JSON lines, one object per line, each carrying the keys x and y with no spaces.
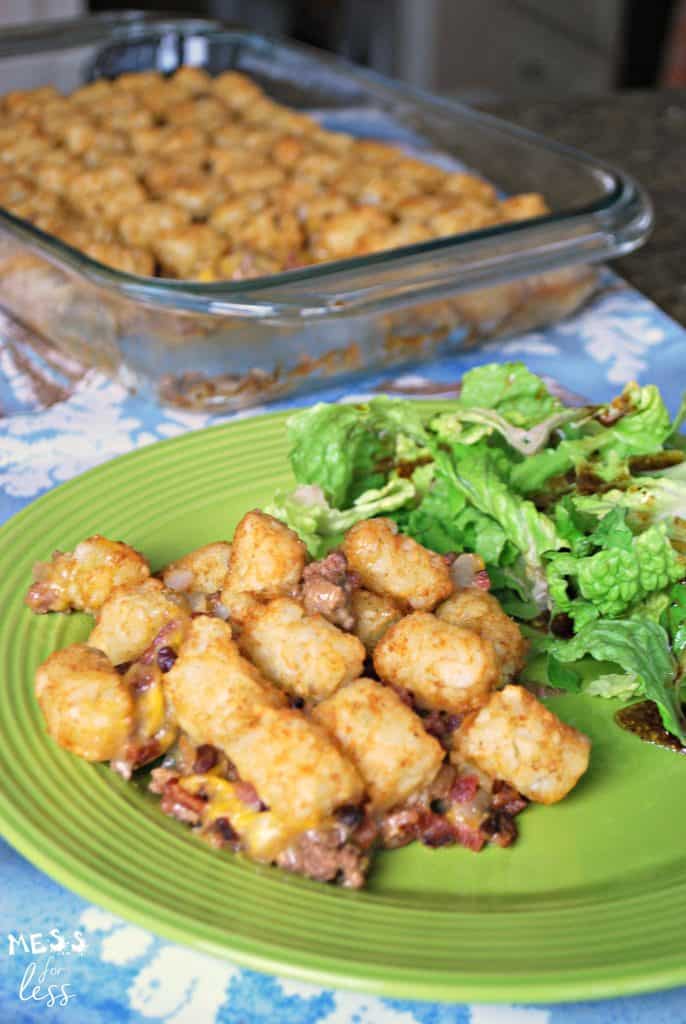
{"x":216,"y":694}
{"x":87,"y":706}
{"x":202,"y":571}
{"x":142,"y":224}
{"x":393,"y":565}
{"x":516,"y":738}
{"x":447,"y":668}
{"x":478,"y":610}
{"x":267,"y":561}
{"x":383,"y":738}
{"x":82,"y":580}
{"x":373,"y":616}
{"x":296,"y":768}
{"x":524,"y":206}
{"x":303,"y":654}
{"x":131,"y":617}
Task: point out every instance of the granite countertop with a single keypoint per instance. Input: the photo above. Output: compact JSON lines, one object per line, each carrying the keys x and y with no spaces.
{"x":645,"y":134}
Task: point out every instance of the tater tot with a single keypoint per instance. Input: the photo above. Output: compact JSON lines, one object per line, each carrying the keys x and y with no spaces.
{"x":522,"y":207}
{"x":461,"y":184}
{"x":296,"y":768}
{"x":383,"y":738}
{"x":236,"y":89}
{"x":303,"y":654}
{"x":233,"y":213}
{"x":395,"y":566}
{"x":267,"y":558}
{"x":194,"y":81}
{"x":131,"y":617}
{"x":86,"y":705}
{"x":202,"y":571}
{"x":344,"y":233}
{"x":182,"y":250}
{"x":269,"y":231}
{"x":478,"y":610}
{"x":82,"y":580}
{"x":516,"y":738}
{"x":121,"y":257}
{"x":467,"y":215}
{"x":216,"y":694}
{"x":142,"y":224}
{"x":446,"y":667}
{"x":243,"y":264}
{"x":373,"y":616}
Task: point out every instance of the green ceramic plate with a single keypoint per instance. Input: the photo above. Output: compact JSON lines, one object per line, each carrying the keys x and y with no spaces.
{"x":590,"y":902}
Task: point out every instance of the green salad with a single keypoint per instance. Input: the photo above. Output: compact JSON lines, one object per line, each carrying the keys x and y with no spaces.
{"x":578,"y":512}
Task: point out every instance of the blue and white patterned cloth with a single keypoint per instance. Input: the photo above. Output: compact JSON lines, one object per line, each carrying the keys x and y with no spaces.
{"x":126,"y":974}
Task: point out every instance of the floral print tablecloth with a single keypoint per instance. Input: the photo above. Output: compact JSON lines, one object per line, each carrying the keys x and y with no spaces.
{"x":115,"y":972}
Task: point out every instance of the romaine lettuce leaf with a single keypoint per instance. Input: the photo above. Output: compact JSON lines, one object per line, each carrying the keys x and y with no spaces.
{"x":613,"y":579}
{"x":531,"y":532}
{"x":341,"y":448}
{"x":641,"y":648}
{"x":518,"y":395}
{"x":320,"y":526}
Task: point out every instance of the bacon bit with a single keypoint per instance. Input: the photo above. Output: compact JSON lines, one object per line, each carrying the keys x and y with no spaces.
{"x":482,"y":580}
{"x":41,"y":597}
{"x":471,"y":838}
{"x":437,"y":831}
{"x":159,"y":777}
{"x":464,"y":789}
{"x":246,"y":792}
{"x":180,"y":804}
{"x":365,"y":834}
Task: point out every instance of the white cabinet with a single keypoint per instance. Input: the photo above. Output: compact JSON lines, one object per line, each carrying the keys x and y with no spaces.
{"x":504,"y":48}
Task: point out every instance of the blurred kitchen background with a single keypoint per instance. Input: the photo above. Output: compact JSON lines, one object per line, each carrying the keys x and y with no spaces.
{"x":478,"y":50}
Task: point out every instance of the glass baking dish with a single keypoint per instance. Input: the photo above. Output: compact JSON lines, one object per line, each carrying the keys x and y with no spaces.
{"x":228,"y":345}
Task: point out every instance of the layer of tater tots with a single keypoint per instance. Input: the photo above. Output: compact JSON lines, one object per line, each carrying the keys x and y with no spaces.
{"x":267,"y":558}
{"x":83,"y":579}
{"x":87,"y":707}
{"x":131,"y":617}
{"x":478,"y":610}
{"x":384,"y":739}
{"x":393,"y":565}
{"x":202,"y":571}
{"x":303,"y":654}
{"x":446,"y":667}
{"x":295,"y":767}
{"x":516,"y":738}
{"x":145,"y":160}
{"x":373,"y":615}
{"x":216,"y":693}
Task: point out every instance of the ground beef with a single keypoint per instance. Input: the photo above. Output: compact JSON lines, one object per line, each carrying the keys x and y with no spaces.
{"x":499,"y":828}
{"x":325,"y":856}
{"x":507,"y":798}
{"x":442,"y":725}
{"x":400,"y":827}
{"x":327,"y":587}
